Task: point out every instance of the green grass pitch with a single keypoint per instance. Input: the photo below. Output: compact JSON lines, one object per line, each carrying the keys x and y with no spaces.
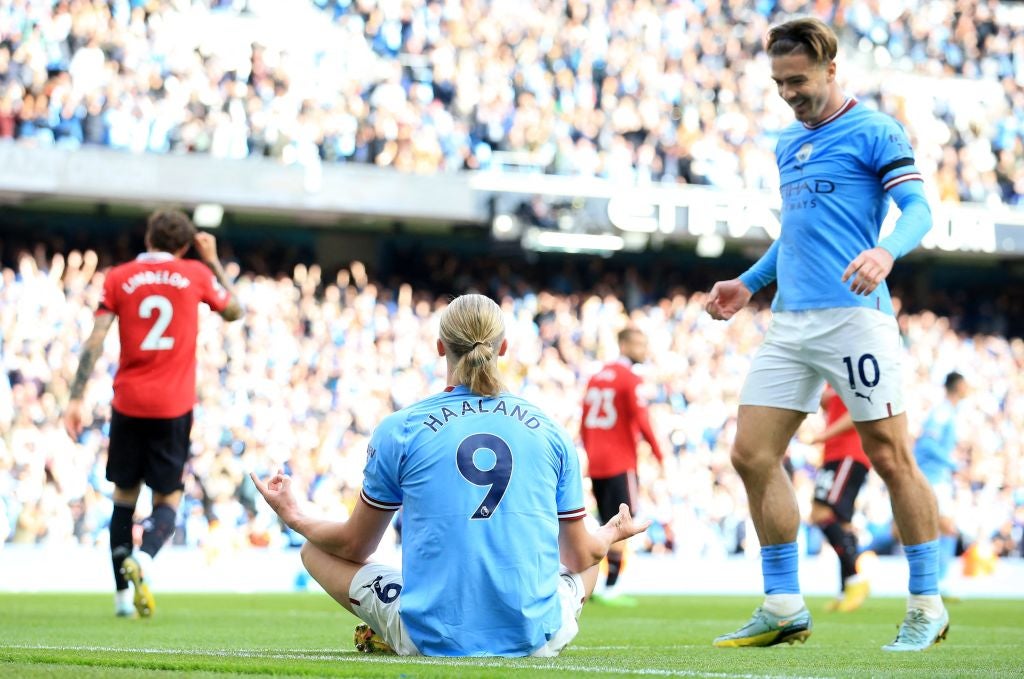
{"x":304,"y":635}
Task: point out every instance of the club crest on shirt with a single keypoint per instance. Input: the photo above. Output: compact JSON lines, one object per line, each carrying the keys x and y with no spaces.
{"x":803,"y":154}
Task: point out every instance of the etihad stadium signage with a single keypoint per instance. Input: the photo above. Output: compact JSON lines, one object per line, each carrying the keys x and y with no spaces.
{"x":540,"y":211}
{"x":668,"y":213}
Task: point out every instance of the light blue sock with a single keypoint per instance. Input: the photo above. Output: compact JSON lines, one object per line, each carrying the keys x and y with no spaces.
{"x":779,"y":566}
{"x":924,"y":567}
{"x":947,"y":552}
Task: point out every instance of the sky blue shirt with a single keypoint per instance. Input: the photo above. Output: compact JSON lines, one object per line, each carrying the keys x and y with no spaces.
{"x":483,"y":483}
{"x":935,"y":446}
{"x":836,"y":179}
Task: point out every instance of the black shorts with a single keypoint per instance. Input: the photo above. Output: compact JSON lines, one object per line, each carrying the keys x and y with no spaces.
{"x":612,"y":492}
{"x":837,"y":485}
{"x":147,"y":449}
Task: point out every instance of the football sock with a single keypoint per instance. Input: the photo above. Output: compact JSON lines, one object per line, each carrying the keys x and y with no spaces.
{"x":947,"y":552}
{"x":779,"y":566}
{"x":614,"y":567}
{"x":122,"y":600}
{"x":931,"y":604}
{"x":157,"y":528}
{"x":844,"y":543}
{"x":783,"y":604}
{"x":145,"y":562}
{"x":923,"y":560}
{"x":120,"y":540}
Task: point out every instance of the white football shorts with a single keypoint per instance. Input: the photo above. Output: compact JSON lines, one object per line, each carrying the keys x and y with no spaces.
{"x":857,"y":350}
{"x":376,"y":603}
{"x":571,"y":594}
{"x":374,"y":594}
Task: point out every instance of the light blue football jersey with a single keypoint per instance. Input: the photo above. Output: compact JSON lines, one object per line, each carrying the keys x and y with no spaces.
{"x":834,"y":180}
{"x":934,"y":448}
{"x":482,"y":483}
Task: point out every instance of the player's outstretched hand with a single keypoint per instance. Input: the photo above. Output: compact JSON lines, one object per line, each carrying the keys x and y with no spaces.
{"x":277,"y":491}
{"x":868,"y":270}
{"x":74,"y":419}
{"x":206,"y":246}
{"x":726,"y":298}
{"x":624,"y":525}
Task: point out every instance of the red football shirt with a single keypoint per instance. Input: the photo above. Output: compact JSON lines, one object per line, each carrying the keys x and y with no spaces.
{"x":156,"y":299}
{"x":847,"y":444}
{"x":614,"y":416}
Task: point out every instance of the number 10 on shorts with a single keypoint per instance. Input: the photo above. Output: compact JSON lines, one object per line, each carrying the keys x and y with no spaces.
{"x":867,"y":370}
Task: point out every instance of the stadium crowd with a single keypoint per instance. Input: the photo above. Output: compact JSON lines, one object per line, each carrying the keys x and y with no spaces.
{"x":318,"y":361}
{"x":630,"y":90}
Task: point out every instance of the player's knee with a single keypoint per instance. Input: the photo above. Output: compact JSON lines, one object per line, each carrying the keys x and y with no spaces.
{"x":739,"y":460}
{"x":889,"y":457}
{"x":750,"y":459}
{"x":308,"y":553}
{"x":892,"y":466}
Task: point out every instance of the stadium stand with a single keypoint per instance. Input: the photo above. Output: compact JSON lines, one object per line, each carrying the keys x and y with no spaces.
{"x":645,"y":92}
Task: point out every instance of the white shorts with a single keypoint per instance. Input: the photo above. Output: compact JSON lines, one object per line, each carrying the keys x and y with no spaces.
{"x":376,"y":591}
{"x":571,"y":594}
{"x":857,"y":350}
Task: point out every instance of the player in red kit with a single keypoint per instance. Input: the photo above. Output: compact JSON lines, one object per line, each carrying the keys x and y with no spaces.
{"x":614,"y":417}
{"x":844,"y":469}
{"x":156,"y":300}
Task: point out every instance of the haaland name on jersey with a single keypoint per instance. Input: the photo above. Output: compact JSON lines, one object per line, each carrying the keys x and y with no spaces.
{"x":437,"y":420}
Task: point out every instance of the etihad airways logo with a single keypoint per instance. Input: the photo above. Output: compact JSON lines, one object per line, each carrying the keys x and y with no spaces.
{"x":805,"y":193}
{"x":810,"y":186}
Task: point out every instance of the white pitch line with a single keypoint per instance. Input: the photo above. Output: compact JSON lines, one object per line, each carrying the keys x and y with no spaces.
{"x":329,"y":654}
{"x":632,"y":647}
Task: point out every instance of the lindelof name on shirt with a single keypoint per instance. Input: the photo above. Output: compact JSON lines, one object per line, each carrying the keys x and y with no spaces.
{"x":158,"y":277}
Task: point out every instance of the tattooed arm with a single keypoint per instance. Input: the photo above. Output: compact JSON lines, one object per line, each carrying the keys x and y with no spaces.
{"x":91,"y":350}
{"x":206,"y":246}
{"x":233,"y":311}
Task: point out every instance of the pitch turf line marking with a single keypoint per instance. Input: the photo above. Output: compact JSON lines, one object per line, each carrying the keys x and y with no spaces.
{"x":329,"y":654}
{"x":631,"y":647}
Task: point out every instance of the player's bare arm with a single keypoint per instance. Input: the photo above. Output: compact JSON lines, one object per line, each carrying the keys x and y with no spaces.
{"x":726,"y":298}
{"x":206,"y":247}
{"x":840,"y":426}
{"x":868,"y":270}
{"x":579,"y":549}
{"x":354,"y":540}
{"x":91,"y":350}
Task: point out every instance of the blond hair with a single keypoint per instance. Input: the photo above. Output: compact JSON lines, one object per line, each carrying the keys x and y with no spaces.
{"x":808,"y":36}
{"x":472,"y":329}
